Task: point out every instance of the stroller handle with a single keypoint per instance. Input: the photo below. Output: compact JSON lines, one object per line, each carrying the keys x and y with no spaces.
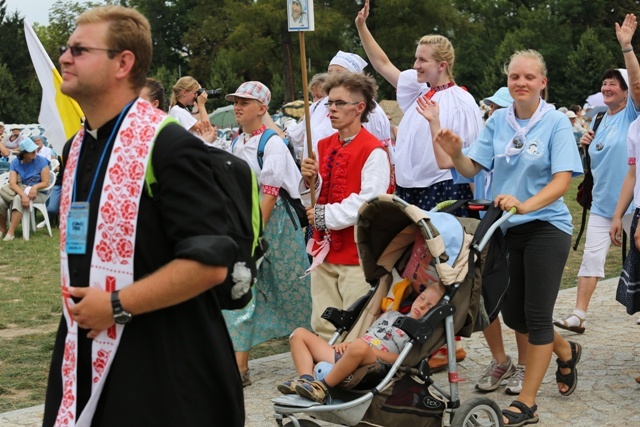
{"x":508,"y":214}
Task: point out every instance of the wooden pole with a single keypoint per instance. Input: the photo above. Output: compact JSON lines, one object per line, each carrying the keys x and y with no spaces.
{"x":307,"y":119}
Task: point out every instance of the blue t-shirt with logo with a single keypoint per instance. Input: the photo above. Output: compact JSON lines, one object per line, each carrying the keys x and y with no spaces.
{"x":549,"y":148}
{"x":608,"y":152}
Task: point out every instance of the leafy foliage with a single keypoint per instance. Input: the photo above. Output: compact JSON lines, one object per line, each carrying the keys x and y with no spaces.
{"x":225,"y":42}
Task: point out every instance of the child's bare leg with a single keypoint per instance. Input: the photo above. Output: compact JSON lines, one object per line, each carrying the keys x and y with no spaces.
{"x":307,"y":349}
{"x":358,"y":353}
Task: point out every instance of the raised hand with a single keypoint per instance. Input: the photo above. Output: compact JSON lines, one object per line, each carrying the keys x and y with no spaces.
{"x":449,"y":141}
{"x":429,"y":109}
{"x":625,"y":32}
{"x":361,"y":19}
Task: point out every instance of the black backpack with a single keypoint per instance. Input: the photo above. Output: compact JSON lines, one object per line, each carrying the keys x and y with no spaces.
{"x":241,"y":198}
{"x":244,"y":220}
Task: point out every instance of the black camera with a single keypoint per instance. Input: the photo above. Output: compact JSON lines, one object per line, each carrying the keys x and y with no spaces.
{"x":210,"y":92}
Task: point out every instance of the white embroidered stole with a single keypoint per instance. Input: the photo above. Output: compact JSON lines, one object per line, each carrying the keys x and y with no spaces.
{"x":113,"y":248}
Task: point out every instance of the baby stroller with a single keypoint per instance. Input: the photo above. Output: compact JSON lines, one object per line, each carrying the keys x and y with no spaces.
{"x":404,"y":393}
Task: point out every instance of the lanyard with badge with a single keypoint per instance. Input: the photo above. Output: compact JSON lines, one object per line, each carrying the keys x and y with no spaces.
{"x":78,"y":218}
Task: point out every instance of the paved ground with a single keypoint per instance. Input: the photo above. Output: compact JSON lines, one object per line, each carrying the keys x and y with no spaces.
{"x":607,"y":394}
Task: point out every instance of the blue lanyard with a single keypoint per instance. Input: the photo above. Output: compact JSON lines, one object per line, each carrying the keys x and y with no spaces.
{"x":104,"y":151}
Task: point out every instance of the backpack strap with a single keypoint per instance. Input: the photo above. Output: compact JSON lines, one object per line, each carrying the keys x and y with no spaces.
{"x":264,"y":138}
{"x":150,"y":176}
{"x":587,"y":160}
{"x":256,"y":214}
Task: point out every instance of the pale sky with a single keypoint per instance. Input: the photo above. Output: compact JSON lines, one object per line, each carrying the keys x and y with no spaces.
{"x":33,"y":10}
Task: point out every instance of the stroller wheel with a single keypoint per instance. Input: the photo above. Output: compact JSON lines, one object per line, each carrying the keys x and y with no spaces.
{"x":303,"y":423}
{"x":478,"y":412}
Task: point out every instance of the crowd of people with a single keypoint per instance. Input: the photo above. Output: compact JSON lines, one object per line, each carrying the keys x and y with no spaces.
{"x":142,"y":339}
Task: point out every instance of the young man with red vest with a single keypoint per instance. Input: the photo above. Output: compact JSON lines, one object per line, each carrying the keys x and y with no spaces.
{"x":351,"y":167}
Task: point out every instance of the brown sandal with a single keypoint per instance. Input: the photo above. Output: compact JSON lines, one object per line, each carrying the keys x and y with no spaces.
{"x":564,"y":324}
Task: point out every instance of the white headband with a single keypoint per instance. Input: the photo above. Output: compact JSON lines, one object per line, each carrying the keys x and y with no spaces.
{"x":350,"y":61}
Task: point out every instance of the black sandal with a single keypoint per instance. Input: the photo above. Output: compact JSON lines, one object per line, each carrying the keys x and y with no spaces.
{"x":527,"y":415}
{"x":570,"y":379}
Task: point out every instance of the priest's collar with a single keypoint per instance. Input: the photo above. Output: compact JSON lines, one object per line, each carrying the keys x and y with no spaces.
{"x":103,"y":131}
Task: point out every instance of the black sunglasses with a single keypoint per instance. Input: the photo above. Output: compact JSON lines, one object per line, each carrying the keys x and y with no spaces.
{"x":79,"y":50}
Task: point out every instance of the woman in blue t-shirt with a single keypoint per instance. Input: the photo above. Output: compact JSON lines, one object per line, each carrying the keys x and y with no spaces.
{"x":28,"y":174}
{"x":607,"y":148}
{"x":531,"y":150}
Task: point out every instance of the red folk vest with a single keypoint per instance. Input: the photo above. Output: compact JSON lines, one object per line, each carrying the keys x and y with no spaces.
{"x":341,"y":169}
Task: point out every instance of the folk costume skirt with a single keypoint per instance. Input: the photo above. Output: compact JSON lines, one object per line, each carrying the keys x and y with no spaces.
{"x":281,"y":296}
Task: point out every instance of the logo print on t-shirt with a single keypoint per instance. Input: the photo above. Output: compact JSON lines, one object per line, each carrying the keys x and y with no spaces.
{"x":533,"y":150}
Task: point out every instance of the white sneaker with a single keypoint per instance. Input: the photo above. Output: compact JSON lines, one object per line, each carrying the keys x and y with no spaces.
{"x":495,"y":374}
{"x":41,"y":225}
{"x":8,"y":238}
{"x":514,"y":386}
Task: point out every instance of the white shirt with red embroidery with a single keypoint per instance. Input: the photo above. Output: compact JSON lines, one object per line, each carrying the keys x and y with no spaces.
{"x":415,"y":161}
{"x":279,"y":170}
{"x":375,"y":178}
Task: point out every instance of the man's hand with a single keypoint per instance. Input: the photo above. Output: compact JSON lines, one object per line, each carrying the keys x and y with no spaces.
{"x":311,"y":215}
{"x":94,"y":311}
{"x":309,"y":168}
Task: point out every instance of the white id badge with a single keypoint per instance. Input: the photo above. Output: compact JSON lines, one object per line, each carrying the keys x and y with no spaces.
{"x":77,"y":227}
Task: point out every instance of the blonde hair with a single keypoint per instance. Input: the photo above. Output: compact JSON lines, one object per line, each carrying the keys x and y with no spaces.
{"x":318,"y":80}
{"x":529,"y":54}
{"x":128,"y":30}
{"x":442,"y":50}
{"x":184,"y":83}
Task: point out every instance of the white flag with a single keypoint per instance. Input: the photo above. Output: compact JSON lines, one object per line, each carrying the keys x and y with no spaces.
{"x":59,"y":115}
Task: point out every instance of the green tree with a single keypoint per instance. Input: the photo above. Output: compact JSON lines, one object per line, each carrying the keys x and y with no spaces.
{"x":585,"y":65}
{"x":10,"y":100}
{"x":169,"y":22}
{"x":15,"y":55}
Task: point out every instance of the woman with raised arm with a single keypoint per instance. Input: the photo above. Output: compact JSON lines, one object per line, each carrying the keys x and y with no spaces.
{"x":607,"y":149}
{"x":419,"y":179}
{"x":531,"y":150}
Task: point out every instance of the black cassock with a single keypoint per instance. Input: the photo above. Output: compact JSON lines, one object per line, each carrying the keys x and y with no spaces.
{"x":175,"y":366}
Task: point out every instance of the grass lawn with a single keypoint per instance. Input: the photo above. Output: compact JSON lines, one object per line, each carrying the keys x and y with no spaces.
{"x":30,"y":310}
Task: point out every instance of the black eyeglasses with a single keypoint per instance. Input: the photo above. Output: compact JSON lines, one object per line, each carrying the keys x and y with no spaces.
{"x":79,"y":50}
{"x":339,"y":104}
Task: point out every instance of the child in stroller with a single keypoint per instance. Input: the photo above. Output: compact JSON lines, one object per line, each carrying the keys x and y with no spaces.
{"x":388,"y":243}
{"x":381,"y":341}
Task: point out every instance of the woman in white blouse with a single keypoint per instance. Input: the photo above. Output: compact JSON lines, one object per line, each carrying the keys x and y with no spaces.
{"x":419,"y":179}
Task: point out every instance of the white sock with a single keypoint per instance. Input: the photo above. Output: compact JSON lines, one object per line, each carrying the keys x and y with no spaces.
{"x":577,"y":316}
